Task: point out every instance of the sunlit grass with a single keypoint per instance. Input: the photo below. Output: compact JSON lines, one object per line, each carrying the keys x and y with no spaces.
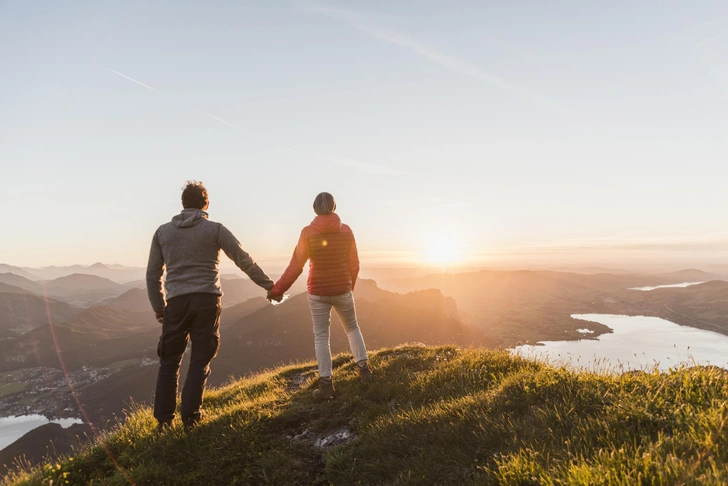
{"x":434,"y":416}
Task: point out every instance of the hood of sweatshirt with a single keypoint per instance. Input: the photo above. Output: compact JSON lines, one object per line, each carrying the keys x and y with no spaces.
{"x":327,"y":223}
{"x":189,"y":217}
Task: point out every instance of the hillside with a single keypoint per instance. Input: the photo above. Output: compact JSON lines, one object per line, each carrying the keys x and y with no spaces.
{"x":80,"y":339}
{"x":5,"y":268}
{"x":279,"y":334}
{"x":237,"y":289}
{"x":49,"y":439}
{"x":704,"y":306}
{"x":117,"y":273}
{"x":438,"y":415}
{"x":272,"y":335}
{"x":79,"y":281}
{"x":82,"y":289}
{"x":107,"y":321}
{"x":22,"y":282}
{"x":134,"y":300}
{"x":516,"y":307}
{"x":21,"y":311}
{"x":12,"y":289}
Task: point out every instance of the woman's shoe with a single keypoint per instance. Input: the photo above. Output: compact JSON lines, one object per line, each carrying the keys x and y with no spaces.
{"x":365,"y":373}
{"x":325,"y":390}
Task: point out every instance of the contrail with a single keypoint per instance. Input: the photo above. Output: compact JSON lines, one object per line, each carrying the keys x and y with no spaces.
{"x":372,"y":168}
{"x":358,"y":21}
{"x":277,"y":145}
{"x":157,"y":91}
{"x":134,"y":80}
{"x":227,"y":123}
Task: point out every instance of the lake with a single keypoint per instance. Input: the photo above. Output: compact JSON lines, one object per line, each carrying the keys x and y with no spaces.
{"x":636,"y":342}
{"x":13,"y":428}
{"x":671,"y":286}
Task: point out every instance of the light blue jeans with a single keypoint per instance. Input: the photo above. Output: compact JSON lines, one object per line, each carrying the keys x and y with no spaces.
{"x":321,"y":316}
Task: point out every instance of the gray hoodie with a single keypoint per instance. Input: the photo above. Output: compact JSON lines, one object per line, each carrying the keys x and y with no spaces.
{"x":188,"y":248}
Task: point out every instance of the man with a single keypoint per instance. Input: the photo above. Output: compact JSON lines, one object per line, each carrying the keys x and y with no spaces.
{"x":334,"y":267}
{"x":188,"y":248}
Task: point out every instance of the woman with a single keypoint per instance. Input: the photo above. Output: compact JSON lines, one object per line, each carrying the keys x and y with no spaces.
{"x":333,"y":270}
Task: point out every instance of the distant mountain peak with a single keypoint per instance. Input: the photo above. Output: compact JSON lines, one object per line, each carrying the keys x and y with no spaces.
{"x":690,"y":270}
{"x":99,"y":266}
{"x":81,"y":280}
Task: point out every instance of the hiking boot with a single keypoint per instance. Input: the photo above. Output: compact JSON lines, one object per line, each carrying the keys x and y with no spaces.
{"x":163,"y":426}
{"x":325,"y":390}
{"x":191,"y":423}
{"x":365,"y":373}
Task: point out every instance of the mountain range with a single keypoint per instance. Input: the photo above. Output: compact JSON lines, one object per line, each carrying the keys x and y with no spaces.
{"x":85,"y":290}
{"x":516,"y":307}
{"x":22,"y":311}
{"x":117,"y":273}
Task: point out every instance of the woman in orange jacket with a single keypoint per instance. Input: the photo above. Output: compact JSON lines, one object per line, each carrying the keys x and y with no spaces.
{"x":334,"y":266}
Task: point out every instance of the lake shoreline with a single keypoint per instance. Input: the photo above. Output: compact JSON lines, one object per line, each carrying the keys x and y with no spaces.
{"x":636,"y":343}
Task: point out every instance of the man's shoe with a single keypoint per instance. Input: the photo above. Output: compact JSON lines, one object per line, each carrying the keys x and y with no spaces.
{"x":365,"y":373}
{"x":325,"y":390}
{"x":191,"y":423}
{"x":163,"y":426}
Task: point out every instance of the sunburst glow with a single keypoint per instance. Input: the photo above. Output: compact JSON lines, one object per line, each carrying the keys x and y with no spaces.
{"x":443,"y":251}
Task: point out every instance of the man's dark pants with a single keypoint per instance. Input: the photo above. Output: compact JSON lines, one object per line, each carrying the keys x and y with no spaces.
{"x":195,"y":317}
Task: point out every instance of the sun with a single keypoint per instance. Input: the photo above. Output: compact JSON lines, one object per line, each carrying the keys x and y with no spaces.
{"x":442,"y":251}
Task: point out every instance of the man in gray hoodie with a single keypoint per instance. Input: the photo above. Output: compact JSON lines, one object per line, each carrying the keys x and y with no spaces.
{"x":187,"y":301}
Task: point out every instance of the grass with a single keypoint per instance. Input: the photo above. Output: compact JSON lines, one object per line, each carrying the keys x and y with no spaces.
{"x":10,"y":388}
{"x":31,"y":399}
{"x":437,"y":415}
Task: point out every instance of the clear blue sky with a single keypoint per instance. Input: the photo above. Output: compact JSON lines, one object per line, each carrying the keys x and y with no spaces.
{"x":486,"y":129}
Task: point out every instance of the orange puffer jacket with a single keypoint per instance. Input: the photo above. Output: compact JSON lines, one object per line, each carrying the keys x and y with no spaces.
{"x":331,"y":247}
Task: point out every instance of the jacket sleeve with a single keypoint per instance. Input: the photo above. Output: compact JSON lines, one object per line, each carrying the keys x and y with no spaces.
{"x":353,"y":262}
{"x":155,"y":270}
{"x":300,"y":256}
{"x":234,"y":251}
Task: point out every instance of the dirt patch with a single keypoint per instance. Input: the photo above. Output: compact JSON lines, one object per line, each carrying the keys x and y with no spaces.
{"x":325,"y":440}
{"x":299,"y":381}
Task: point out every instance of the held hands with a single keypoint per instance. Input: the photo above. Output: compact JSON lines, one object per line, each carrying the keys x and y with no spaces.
{"x":271,"y":297}
{"x":159,"y":316}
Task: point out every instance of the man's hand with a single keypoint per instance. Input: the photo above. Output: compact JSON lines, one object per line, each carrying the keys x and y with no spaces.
{"x":159,"y":316}
{"x":272,"y":297}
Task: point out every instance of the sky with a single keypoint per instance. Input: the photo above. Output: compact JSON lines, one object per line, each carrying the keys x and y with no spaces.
{"x":449,"y":132}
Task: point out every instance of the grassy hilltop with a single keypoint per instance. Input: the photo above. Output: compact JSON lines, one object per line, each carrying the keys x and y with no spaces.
{"x":437,"y":415}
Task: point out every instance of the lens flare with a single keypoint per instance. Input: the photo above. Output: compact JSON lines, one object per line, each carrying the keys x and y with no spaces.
{"x":81,"y":408}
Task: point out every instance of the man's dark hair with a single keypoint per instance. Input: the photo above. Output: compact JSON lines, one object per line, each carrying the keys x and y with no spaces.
{"x":194,"y":195}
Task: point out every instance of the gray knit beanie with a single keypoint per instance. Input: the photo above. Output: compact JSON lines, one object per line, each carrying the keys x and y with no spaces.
{"x":324,"y":204}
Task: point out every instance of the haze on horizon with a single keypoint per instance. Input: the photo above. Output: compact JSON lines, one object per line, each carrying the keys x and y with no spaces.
{"x":479,"y":135}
